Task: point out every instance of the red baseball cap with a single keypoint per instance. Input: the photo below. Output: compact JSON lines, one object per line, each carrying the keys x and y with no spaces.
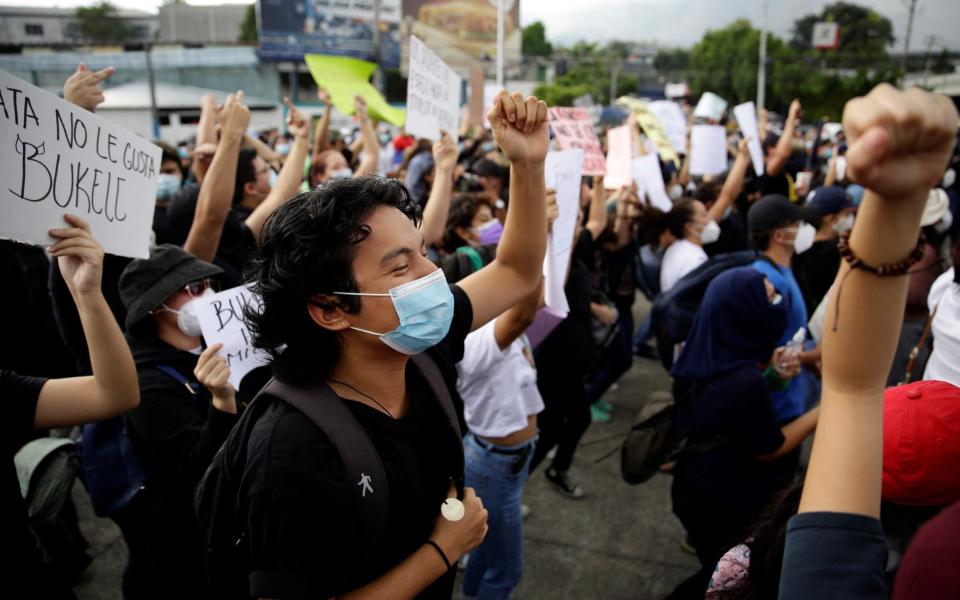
{"x":921,"y":444}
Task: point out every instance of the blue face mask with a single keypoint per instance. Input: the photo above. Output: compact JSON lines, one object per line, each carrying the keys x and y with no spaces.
{"x":273,"y":178}
{"x":167,"y":185}
{"x":425,"y":308}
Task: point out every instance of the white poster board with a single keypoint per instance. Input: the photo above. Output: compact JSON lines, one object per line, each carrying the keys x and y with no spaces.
{"x":708,"y":150}
{"x":490,"y":91}
{"x":59,"y":158}
{"x":673,"y":122}
{"x":676,"y":90}
{"x":746,"y":115}
{"x":826,"y":35}
{"x":649,"y":178}
{"x":619,"y":155}
{"x":433,"y":94}
{"x":561,"y":172}
{"x":711,"y":106}
{"x":222,"y":321}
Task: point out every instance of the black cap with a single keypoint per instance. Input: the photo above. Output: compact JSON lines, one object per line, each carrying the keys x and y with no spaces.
{"x":487,"y":168}
{"x":829,"y":200}
{"x":774,"y":211}
{"x":146,"y":283}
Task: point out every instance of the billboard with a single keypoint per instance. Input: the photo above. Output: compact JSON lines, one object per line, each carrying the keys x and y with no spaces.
{"x":463,"y":32}
{"x":289,"y":29}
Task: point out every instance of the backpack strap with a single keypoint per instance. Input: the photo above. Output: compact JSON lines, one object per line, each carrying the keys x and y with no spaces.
{"x":441,"y":393}
{"x":330,"y":414}
{"x":174,"y":374}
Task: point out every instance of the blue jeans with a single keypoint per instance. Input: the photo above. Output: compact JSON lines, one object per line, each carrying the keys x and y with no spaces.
{"x":496,"y":566}
{"x":644,"y":332}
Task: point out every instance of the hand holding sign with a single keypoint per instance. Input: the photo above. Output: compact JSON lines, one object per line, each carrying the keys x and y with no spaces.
{"x":213,"y":373}
{"x":445,"y":153}
{"x":83,"y":87}
{"x":79,"y":256}
{"x":553,"y":209}
{"x":520,"y":127}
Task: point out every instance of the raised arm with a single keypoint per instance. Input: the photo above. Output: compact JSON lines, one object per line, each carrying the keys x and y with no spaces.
{"x":438,"y":204}
{"x":520,"y":128}
{"x":206,"y":133}
{"x":781,"y":153}
{"x":113,"y":388}
{"x":291,"y":175}
{"x":733,"y":185}
{"x":321,"y":137}
{"x":831,"y":177}
{"x":216,"y":192}
{"x":899,"y":142}
{"x":597,"y":217}
{"x":371,"y":145}
{"x":268,"y":154}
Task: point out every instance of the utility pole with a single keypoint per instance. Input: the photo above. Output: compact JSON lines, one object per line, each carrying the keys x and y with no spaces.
{"x":500,"y":10}
{"x":614,"y":71}
{"x":762,"y":66}
{"x":378,"y":72}
{"x":906,"y":40}
{"x":154,"y":117}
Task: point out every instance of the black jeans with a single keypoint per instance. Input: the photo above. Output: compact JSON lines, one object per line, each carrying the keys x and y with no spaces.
{"x":564,"y":420}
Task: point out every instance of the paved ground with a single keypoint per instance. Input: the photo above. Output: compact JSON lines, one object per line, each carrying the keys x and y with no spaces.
{"x":620,"y":541}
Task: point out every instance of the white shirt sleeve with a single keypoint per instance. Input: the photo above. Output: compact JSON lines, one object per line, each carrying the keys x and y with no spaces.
{"x":480,"y":352}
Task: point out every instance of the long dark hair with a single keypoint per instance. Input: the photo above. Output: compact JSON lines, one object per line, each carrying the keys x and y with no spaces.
{"x":307,"y":247}
{"x":653,"y":221}
{"x":768,"y":538}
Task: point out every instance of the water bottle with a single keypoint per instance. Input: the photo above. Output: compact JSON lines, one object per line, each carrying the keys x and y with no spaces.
{"x":791,"y":351}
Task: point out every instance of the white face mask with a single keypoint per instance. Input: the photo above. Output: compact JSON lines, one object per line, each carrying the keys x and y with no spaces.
{"x":949,"y":178}
{"x":844,"y":225}
{"x":676,"y":192}
{"x":187,"y":319}
{"x":710,"y":232}
{"x":803,"y":240}
{"x":344,"y":173}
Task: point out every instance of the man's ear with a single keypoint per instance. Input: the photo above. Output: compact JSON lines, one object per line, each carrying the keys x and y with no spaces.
{"x":325,"y":310}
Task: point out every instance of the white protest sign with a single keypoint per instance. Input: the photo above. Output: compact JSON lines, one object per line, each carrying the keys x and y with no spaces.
{"x":619,"y":155}
{"x":826,"y":35}
{"x":676,"y":90}
{"x":59,"y":158}
{"x":562,"y":172}
{"x":841,"y":168}
{"x":708,"y":150}
{"x":711,"y":106}
{"x":433,"y":94}
{"x":222,"y":321}
{"x":490,"y":91}
{"x":673,"y":122}
{"x":647,"y":174}
{"x":746,"y":115}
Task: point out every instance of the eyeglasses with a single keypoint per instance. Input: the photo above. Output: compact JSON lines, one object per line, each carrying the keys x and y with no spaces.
{"x":196,"y":288}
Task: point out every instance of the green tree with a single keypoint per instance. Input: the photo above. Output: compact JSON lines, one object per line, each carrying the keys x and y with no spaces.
{"x":248,"y":28}
{"x":101,"y":23}
{"x":942,"y":64}
{"x":535,"y":40}
{"x":667,"y":61}
{"x":864,"y":36}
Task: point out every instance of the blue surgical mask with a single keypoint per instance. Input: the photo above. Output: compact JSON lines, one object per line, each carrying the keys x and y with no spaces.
{"x":344,"y":173}
{"x":167,"y":185}
{"x":425,"y":309}
{"x":282,"y":149}
{"x":273,"y":178}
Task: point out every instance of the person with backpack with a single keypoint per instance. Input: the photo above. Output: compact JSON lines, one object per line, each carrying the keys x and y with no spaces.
{"x":35,"y":404}
{"x":727,"y":471}
{"x":345,"y":476}
{"x":780,"y":232}
{"x":185,"y":413}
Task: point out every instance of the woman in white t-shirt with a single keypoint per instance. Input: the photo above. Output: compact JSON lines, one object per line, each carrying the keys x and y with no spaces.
{"x":692,"y":227}
{"x":498,"y":384}
{"x":944,"y":361}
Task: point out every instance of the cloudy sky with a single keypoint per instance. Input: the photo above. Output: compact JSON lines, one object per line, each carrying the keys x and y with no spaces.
{"x":677,"y":22}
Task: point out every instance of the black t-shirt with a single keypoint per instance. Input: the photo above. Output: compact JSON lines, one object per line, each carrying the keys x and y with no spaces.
{"x":737,"y":406}
{"x":775,"y":184}
{"x":236,"y":240}
{"x":733,"y":235}
{"x":815,"y":271}
{"x":569,"y":351}
{"x":834,"y":555}
{"x":298,"y":500}
{"x":23,"y":571}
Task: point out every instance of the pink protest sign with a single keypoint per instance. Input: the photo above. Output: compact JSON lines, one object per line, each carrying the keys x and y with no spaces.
{"x":573,"y":129}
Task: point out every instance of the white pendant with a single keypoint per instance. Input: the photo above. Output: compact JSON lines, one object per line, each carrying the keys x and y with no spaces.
{"x":452,"y":509}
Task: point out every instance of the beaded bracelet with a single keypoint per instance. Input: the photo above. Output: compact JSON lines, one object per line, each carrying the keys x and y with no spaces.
{"x":896,"y":269}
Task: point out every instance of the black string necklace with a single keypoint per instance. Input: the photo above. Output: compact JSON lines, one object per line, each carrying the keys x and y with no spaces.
{"x":371,"y":398}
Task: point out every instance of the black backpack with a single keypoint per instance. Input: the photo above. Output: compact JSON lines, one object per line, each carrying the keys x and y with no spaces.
{"x":217,"y":497}
{"x":673,"y":312}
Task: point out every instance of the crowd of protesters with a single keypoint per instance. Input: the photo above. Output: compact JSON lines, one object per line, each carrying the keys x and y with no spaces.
{"x":404,"y":406}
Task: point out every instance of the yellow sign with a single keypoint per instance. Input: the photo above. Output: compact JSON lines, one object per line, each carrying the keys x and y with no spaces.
{"x":344,"y":78}
{"x":651,"y":127}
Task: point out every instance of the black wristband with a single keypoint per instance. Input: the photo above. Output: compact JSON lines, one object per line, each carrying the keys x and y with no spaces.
{"x":440,"y":551}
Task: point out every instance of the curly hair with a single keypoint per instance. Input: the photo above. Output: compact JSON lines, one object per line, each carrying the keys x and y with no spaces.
{"x":307,"y":247}
{"x":463,"y":209}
